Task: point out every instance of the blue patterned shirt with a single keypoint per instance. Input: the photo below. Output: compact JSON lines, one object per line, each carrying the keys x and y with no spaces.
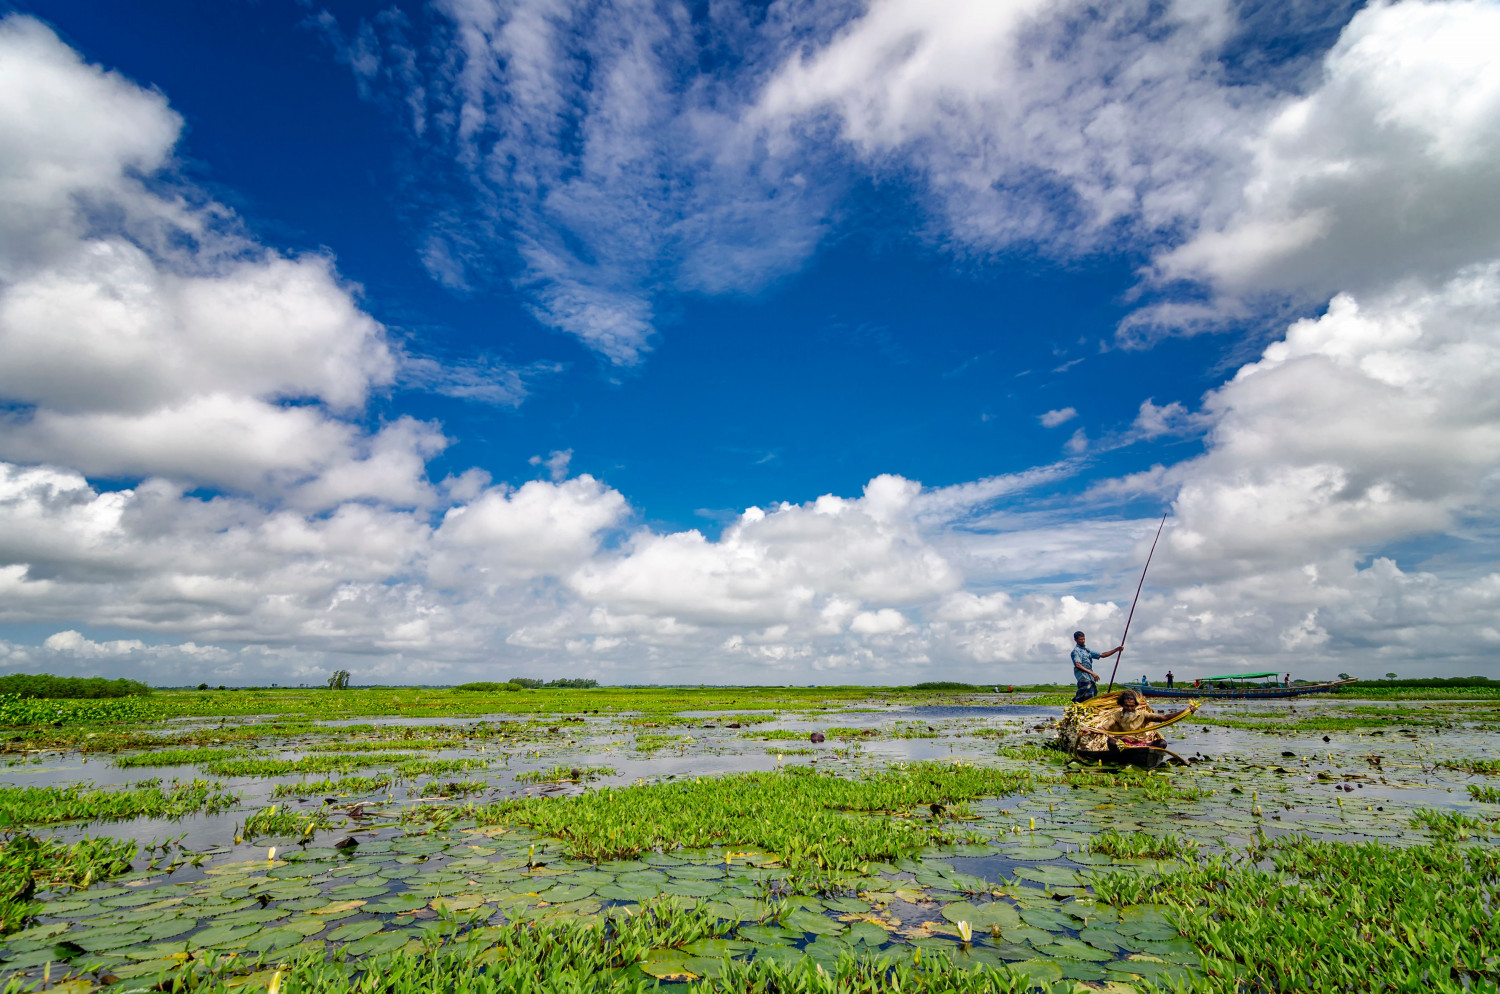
{"x":1082,"y":656}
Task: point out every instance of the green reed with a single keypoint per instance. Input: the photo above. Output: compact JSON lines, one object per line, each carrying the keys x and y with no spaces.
{"x":1142,"y":845}
{"x":84,"y":802}
{"x":1333,"y":917}
{"x":566,"y":774}
{"x":808,"y":819}
{"x":29,"y":864}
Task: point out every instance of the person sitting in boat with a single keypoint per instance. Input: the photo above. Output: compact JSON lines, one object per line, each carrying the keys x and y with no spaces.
{"x":1088,"y":680}
{"x":1132,"y":715}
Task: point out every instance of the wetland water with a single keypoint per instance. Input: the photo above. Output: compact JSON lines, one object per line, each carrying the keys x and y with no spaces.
{"x":394,"y":835}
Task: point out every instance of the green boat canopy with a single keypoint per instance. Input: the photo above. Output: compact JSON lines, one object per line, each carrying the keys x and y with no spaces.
{"x":1242,"y":676}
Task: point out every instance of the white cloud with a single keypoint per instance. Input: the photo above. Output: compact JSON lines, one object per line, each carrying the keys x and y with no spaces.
{"x":1385,"y":171}
{"x":144,"y":334}
{"x":1052,"y":419}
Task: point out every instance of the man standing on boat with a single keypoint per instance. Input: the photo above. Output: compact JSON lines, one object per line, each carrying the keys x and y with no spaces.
{"x":1088,"y":680}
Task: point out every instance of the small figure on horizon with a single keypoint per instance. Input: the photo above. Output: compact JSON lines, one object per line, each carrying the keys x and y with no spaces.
{"x":1088,"y":680}
{"x":1169,"y":679}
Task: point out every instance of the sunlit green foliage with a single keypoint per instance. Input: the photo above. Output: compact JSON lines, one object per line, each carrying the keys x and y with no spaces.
{"x":1451,"y":826}
{"x":1141,"y":844}
{"x":29,"y":864}
{"x":561,"y":774}
{"x":338,"y":763}
{"x":16,"y":710}
{"x":46,"y":685}
{"x":83,"y":802}
{"x":1489,"y":795}
{"x":175,"y":757}
{"x":1365,"y":917}
{"x":809,"y":820}
{"x":344,"y":785}
{"x":278,"y":822}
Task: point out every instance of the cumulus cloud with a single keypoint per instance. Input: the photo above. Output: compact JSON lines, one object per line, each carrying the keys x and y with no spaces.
{"x":145,"y":334}
{"x":1052,"y":419}
{"x":1385,"y":171}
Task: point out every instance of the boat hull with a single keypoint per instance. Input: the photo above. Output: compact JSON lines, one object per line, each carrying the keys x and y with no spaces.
{"x":1148,"y":758}
{"x":1251,"y":693}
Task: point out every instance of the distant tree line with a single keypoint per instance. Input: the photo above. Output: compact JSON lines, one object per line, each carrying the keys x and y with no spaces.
{"x":527,"y":683}
{"x":46,"y":685}
{"x":1440,"y":681}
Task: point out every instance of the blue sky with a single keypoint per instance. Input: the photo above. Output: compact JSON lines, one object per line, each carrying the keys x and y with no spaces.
{"x":456,"y":339}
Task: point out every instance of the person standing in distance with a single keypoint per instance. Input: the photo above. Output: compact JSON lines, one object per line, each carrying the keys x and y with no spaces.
{"x":1088,"y":680}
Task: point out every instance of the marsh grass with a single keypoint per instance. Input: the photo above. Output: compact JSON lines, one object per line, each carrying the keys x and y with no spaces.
{"x":84,"y":802}
{"x":1486,"y":767}
{"x":343,"y":785}
{"x":279,"y":822}
{"x":1489,"y":795}
{"x":565,"y":774}
{"x":1357,"y":917}
{"x":29,"y":864}
{"x":807,"y":819}
{"x":1451,"y":826}
{"x":1142,"y":845}
{"x":340,"y":763}
{"x":592,"y":957}
{"x":176,"y":757}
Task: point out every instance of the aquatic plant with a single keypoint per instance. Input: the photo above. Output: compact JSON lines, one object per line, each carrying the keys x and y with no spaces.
{"x":565,"y":774}
{"x":46,"y":685}
{"x":1489,"y":795}
{"x":280,"y":822}
{"x":1451,"y":826}
{"x":175,"y":757}
{"x":84,"y":802}
{"x":807,"y":819}
{"x":1363,"y":917}
{"x":29,"y":864}
{"x":1142,"y":845}
{"x":344,"y":785}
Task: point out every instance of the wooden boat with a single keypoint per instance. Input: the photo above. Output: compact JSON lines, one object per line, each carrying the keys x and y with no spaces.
{"x":1233,"y":692}
{"x":1147,"y":757}
{"x":1080,"y":725}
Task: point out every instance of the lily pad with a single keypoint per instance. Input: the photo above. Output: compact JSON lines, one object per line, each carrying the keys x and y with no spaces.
{"x":353,"y":931}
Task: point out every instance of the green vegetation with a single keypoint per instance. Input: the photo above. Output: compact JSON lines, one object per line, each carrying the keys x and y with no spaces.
{"x":566,"y":774}
{"x":344,"y":785}
{"x":49,"y":805}
{"x":16,"y":710}
{"x":1488,"y":767}
{"x":1451,"y":826}
{"x":279,"y":822}
{"x":339,"y":680}
{"x":338,"y":763}
{"x":1142,"y":845}
{"x":807,"y":819}
{"x":29,"y":864}
{"x":607,"y":957}
{"x":1365,"y":917}
{"x":175,"y":757}
{"x":949,"y":685}
{"x":1489,"y":795}
{"x":485,"y":687}
{"x":45,"y":685}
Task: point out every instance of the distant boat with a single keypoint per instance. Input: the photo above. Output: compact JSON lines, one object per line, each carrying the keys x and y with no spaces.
{"x":1209,"y":688}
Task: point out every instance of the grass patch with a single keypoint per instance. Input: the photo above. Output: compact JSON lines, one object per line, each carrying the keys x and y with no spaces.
{"x":278,"y":822}
{"x":46,"y":685}
{"x":1142,"y":845}
{"x":29,"y":864}
{"x":565,"y":774}
{"x":1486,"y":767}
{"x":809,"y":820}
{"x":176,"y":757}
{"x":1451,"y":826}
{"x":339,"y":763}
{"x":596,"y":957}
{"x":1359,"y":917}
{"x":50,"y":805}
{"x":343,"y":785}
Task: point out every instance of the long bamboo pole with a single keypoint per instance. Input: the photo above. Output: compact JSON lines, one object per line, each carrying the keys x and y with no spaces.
{"x":1138,"y":587}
